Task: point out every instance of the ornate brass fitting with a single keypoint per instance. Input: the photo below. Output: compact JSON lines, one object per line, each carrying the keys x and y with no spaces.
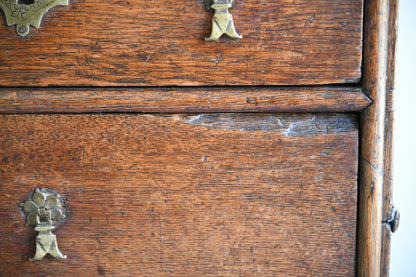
{"x":23,"y":13}
{"x":222,"y":21}
{"x":44,"y":209}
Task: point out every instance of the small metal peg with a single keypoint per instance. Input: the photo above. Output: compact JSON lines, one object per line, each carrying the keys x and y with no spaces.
{"x":394,"y":221}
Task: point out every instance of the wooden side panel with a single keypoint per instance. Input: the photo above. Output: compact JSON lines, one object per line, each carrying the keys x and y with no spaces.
{"x":195,"y":195}
{"x":160,"y":42}
{"x":375,"y":156}
{"x":180,"y":100}
{"x":388,"y":207}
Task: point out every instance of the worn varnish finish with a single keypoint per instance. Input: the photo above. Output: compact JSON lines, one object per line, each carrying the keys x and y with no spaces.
{"x":160,"y":42}
{"x":196,"y":195}
{"x":179,"y":100}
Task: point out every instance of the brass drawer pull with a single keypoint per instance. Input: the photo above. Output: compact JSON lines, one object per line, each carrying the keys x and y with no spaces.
{"x":222,"y":21}
{"x":23,"y":13}
{"x":44,"y":209}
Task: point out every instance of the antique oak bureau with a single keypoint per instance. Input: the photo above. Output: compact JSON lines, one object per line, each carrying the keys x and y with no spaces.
{"x":264,"y":152}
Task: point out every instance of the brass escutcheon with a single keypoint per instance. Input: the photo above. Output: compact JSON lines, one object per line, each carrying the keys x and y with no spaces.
{"x":25,"y":13}
{"x":44,"y":209}
{"x":222,"y":21}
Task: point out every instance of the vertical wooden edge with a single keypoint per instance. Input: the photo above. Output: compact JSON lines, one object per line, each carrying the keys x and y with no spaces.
{"x":388,"y":207}
{"x":376,"y":131}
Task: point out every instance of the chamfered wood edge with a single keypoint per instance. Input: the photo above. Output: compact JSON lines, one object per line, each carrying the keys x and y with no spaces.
{"x":183,"y":99}
{"x":373,"y":243}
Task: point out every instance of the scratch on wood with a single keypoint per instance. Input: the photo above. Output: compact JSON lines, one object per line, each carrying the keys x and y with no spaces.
{"x":229,"y":252}
{"x":88,"y":63}
{"x":83,"y":155}
{"x":160,"y":189}
{"x":99,"y":241}
{"x":378,"y":171}
{"x":219,"y":59}
{"x":147,"y":59}
{"x":160,"y":241}
{"x":312,"y":18}
{"x":280,"y":122}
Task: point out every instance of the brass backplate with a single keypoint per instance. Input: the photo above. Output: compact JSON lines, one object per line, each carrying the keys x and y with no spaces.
{"x":25,"y":13}
{"x":44,"y":209}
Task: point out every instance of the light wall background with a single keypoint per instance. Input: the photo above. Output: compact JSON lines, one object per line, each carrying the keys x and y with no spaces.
{"x":403,"y":248}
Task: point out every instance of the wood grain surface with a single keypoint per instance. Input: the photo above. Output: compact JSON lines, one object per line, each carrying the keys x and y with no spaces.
{"x":160,"y":42}
{"x":180,"y":100}
{"x":195,"y":195}
{"x":375,"y":155}
{"x":388,"y":206}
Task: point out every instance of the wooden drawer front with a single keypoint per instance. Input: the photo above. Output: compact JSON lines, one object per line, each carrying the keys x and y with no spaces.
{"x":200,"y":195}
{"x":161,"y":42}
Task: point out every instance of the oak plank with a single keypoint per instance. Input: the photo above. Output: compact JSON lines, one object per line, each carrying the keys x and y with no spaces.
{"x":195,"y":195}
{"x":162,"y":43}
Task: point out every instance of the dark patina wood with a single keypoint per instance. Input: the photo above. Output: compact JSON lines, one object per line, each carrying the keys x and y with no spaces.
{"x":179,"y":100}
{"x":195,"y":195}
{"x":160,"y":42}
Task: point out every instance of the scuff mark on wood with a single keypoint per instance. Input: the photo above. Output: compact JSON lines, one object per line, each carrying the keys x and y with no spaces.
{"x":291,"y":125}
